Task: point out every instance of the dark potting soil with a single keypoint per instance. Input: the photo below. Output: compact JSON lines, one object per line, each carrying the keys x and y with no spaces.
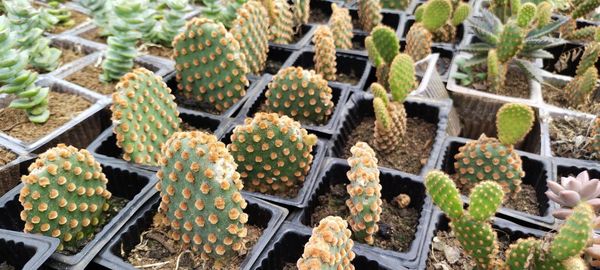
{"x":317,"y":16}
{"x":157,"y":50}
{"x":94,"y":35}
{"x":116,"y":204}
{"x":6,"y":156}
{"x":6,"y":266}
{"x":397,"y":226}
{"x":89,"y":77}
{"x":69,"y":55}
{"x":264,"y":108}
{"x":443,"y":64}
{"x":351,"y":78}
{"x":272,"y":66}
{"x":516,"y":85}
{"x":63,"y":107}
{"x":158,"y":249}
{"x":570,"y":138}
{"x":554,"y":94}
{"x":193,"y":105}
{"x":357,"y":45}
{"x":78,"y":17}
{"x":411,"y":156}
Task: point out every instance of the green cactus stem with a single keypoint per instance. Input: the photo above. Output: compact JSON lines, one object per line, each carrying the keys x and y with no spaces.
{"x":461,"y":13}
{"x":584,"y":8}
{"x":340,"y":23}
{"x":444,"y":194}
{"x":514,"y":121}
{"x":435,"y":14}
{"x":511,"y":42}
{"x":369,"y":14}
{"x":329,"y":246}
{"x":282,"y":25}
{"x":325,"y":58}
{"x":496,"y":72}
{"x":544,"y":14}
{"x":585,"y":34}
{"x":251,"y":30}
{"x":418,"y":42}
{"x":402,"y":78}
{"x":382,"y":46}
{"x":589,"y":58}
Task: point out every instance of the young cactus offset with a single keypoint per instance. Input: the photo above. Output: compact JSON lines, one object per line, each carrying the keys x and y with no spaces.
{"x":369,"y":14}
{"x":145,"y":116}
{"x":573,"y":190}
{"x":496,"y":159}
{"x":329,"y":246}
{"x":390,"y":121}
{"x":382,"y":46}
{"x":418,"y":42}
{"x":274,"y":152}
{"x":201,"y":200}
{"x":251,"y":30}
{"x":64,"y":195}
{"x":282,"y":25}
{"x":301,"y":94}
{"x":365,"y":192}
{"x":340,"y":23}
{"x":210,"y":65}
{"x":325,"y":58}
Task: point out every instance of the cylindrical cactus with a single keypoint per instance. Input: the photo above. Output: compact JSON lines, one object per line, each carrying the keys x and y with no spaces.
{"x":418,"y":42}
{"x":210,"y":65}
{"x":325,"y":58}
{"x":61,"y":13}
{"x":300,"y":94}
{"x":282,"y":25}
{"x":526,"y":14}
{"x":365,"y":192}
{"x":573,"y":190}
{"x":251,"y":30}
{"x":201,"y":201}
{"x":340,"y":23}
{"x":329,"y":246}
{"x":369,"y":14}
{"x":301,"y":11}
{"x":145,"y":116}
{"x":64,"y":195}
{"x":273,"y":151}
{"x":390,"y":121}
{"x":174,"y":21}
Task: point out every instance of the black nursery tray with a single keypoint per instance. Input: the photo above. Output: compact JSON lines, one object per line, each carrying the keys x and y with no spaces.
{"x":262,"y":214}
{"x":538,"y":171}
{"x":333,"y":172}
{"x":105,"y":146}
{"x":25,"y":251}
{"x":287,"y":247}
{"x":134,"y":185}
{"x":394,"y":19}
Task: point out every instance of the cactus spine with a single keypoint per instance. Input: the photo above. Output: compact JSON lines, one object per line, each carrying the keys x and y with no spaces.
{"x":251,"y":30}
{"x":418,"y":42}
{"x":282,"y":25}
{"x":340,"y":23}
{"x":64,"y":195}
{"x":325,"y":58}
{"x":329,"y":246}
{"x":369,"y":14}
{"x":201,"y":200}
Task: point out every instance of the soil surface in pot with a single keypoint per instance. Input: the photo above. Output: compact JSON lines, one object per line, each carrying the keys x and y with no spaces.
{"x":194,"y":105}
{"x":411,"y":156}
{"x":6,"y":156}
{"x":397,"y":226}
{"x":94,"y":35}
{"x":264,"y":108}
{"x":78,"y":17}
{"x":158,"y":249}
{"x":63,"y":107}
{"x":290,"y":266}
{"x":6,"y":266}
{"x":555,"y":94}
{"x":156,"y":50}
{"x":89,"y":77}
{"x":516,"y":85}
{"x":69,"y":55}
{"x":116,"y":204}
{"x":357,"y":45}
{"x":443,"y":64}
{"x":570,"y":138}
{"x":317,"y":16}
{"x":272,"y":66}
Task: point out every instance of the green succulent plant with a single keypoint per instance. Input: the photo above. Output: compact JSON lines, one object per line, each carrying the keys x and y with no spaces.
{"x":329,"y":246}
{"x":99,"y":11}
{"x":369,"y":14}
{"x":251,"y":30}
{"x":382,"y":47}
{"x":325,"y":57}
{"x":223,"y":12}
{"x":173,"y":22}
{"x":61,"y":13}
{"x":441,"y":17}
{"x":340,"y":23}
{"x":282,"y":23}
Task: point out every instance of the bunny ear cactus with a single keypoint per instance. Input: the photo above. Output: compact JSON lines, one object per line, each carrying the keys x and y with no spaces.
{"x":251,"y":30}
{"x":282,"y":25}
{"x":461,"y":13}
{"x":201,"y":200}
{"x":496,"y":72}
{"x":64,"y":195}
{"x":145,"y":116}
{"x":369,"y":14}
{"x":329,"y":246}
{"x":210,"y":65}
{"x":581,"y":86}
{"x":174,"y":21}
{"x":435,"y":14}
{"x":365,"y":192}
{"x":273,"y":151}
{"x":418,"y":42}
{"x":526,"y":15}
{"x":511,"y":41}
{"x":301,"y":94}
{"x":62,"y":14}
{"x":382,"y":46}
{"x":340,"y":23}
{"x":544,"y":14}
{"x":325,"y":58}
{"x":514,"y":121}
{"x":402,"y":79}
{"x":390,"y":121}
{"x":301,"y":11}
{"x":573,"y":190}
{"x":395,"y":4}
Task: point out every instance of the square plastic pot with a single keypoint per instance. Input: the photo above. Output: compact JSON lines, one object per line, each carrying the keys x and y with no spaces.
{"x":262,"y":214}
{"x":24,"y":251}
{"x":71,"y":43}
{"x":136,"y":186}
{"x":538,"y":171}
{"x":333,"y":172}
{"x":460,"y":32}
{"x":305,"y":35}
{"x":392,"y":18}
{"x":105,"y":146}
{"x":357,"y":108}
{"x":287,"y":246}
{"x":10,"y":173}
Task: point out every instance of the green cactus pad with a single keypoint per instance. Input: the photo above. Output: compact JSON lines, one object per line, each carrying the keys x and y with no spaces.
{"x":145,"y":116}
{"x":495,"y":72}
{"x":64,"y":195}
{"x":419,"y":13}
{"x":589,"y":57}
{"x":372,"y":52}
{"x":574,"y":234}
{"x":436,"y":14}
{"x":579,"y":88}
{"x":584,"y":8}
{"x":369,"y":14}
{"x":514,"y":121}
{"x":300,"y":94}
{"x":511,"y":42}
{"x":478,"y":239}
{"x":402,"y":79}
{"x":386,"y":42}
{"x":325,"y":58}
{"x":395,"y":4}
{"x":329,"y":246}
{"x":273,"y":152}
{"x":379,"y":92}
{"x":444,"y":194}
{"x":251,"y":30}
{"x":210,"y":65}
{"x":461,"y":13}
{"x":201,"y":201}
{"x":484,"y":200}
{"x":340,"y":23}
{"x":282,"y":26}
{"x":418,"y":42}
{"x":544,"y":14}
{"x":526,"y":14}
{"x":521,"y":254}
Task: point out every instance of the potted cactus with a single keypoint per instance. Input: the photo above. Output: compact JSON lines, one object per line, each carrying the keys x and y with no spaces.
{"x":442,"y":20}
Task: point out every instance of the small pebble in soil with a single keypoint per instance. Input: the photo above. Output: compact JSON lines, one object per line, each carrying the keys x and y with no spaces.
{"x":570,"y":138}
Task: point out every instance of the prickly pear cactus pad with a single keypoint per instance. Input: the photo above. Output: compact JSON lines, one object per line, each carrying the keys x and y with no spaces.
{"x":340,"y":23}
{"x":64,"y":195}
{"x":418,"y":42}
{"x":369,"y":14}
{"x":273,"y":152}
{"x":201,"y":200}
{"x":514,"y":121}
{"x":301,"y":94}
{"x":210,"y":65}
{"x":329,"y":246}
{"x":145,"y":116}
{"x":251,"y":30}
{"x":325,"y":58}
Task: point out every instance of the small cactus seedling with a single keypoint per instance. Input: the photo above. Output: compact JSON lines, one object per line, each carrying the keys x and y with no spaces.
{"x":365,"y":192}
{"x":61,"y":13}
{"x":282,"y":24}
{"x":274,"y":152}
{"x":145,"y":116}
{"x":210,"y":65}
{"x":300,"y":94}
{"x":251,"y":30}
{"x":340,"y":23}
{"x":325,"y":58}
{"x":595,"y":136}
{"x":301,"y":11}
{"x":173,"y":22}
{"x":382,"y":46}
{"x":418,"y":42}
{"x":369,"y":14}
{"x":201,"y":200}
{"x":329,"y":246}
{"x":573,"y":190}
{"x":441,"y":17}
{"x":495,"y":159}
{"x":64,"y":195}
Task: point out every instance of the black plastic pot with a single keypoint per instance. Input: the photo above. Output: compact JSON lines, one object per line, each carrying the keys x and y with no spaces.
{"x":304,"y":34}
{"x":322,"y":8}
{"x":339,"y":97}
{"x":358,"y":44}
{"x":287,"y":246}
{"x":394,"y":19}
{"x":279,"y":58}
{"x":460,"y":32}
{"x":24,"y":251}
{"x":575,"y":49}
{"x":359,"y":107}
{"x":442,"y":65}
{"x":10,"y":173}
{"x":301,"y":199}
{"x":538,"y":171}
{"x":137,"y":186}
{"x":333,"y":172}
{"x":105,"y":146}
{"x":346,"y":64}
{"x":262,"y":214}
